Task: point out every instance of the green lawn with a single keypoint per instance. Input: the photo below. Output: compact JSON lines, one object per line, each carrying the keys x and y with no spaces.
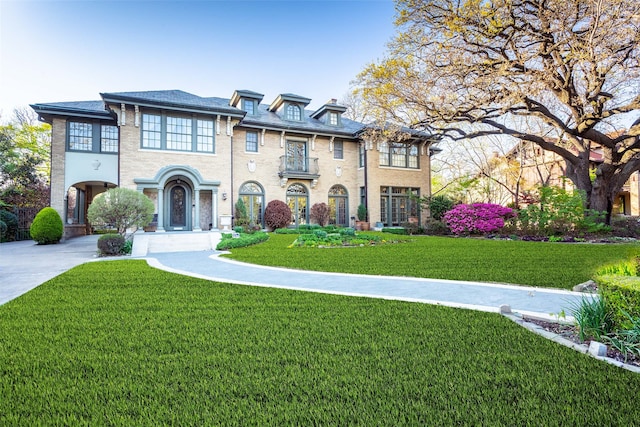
{"x":119,"y":343}
{"x":553,"y":265}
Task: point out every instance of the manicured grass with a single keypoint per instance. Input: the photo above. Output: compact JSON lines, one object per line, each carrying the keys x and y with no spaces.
{"x":119,"y":343}
{"x":554,"y":265}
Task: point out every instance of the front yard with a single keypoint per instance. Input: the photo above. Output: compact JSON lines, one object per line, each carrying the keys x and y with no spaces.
{"x":119,"y":343}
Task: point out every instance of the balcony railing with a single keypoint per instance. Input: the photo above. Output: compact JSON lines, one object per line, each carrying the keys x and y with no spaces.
{"x":299,"y":167}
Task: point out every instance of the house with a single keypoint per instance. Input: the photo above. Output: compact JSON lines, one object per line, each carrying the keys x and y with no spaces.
{"x":542,"y":167}
{"x":194,"y":157}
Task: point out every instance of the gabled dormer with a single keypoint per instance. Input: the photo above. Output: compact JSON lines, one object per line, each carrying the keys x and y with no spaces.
{"x":247,"y":101}
{"x":290,"y":107}
{"x":330,"y":113}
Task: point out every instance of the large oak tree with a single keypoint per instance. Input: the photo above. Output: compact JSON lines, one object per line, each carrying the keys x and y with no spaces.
{"x":563,"y":74}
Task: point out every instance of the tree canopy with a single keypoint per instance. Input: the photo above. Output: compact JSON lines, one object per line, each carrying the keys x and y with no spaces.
{"x":563,"y":74}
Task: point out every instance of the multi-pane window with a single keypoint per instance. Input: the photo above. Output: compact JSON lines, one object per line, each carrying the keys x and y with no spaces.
{"x":252,"y":142}
{"x":80,"y":136}
{"x":361,"y":155}
{"x":248,"y":106}
{"x":333,"y":119}
{"x":252,"y":195}
{"x":151,"y":130}
{"x":205,"y":135}
{"x":292,"y":112}
{"x":108,"y":139}
{"x":398,"y":155}
{"x":398,"y":204}
{"x":338,"y":150}
{"x":179,"y":133}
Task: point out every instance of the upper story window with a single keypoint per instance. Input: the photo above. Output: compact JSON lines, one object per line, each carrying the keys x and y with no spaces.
{"x":333,"y":119}
{"x":252,"y":142}
{"x":177,"y":133}
{"x":80,"y":136}
{"x":361,"y":155}
{"x":151,"y":130}
{"x":249,"y":106}
{"x":399,"y":155}
{"x":93,"y":137}
{"x":292,"y":112}
{"x":338,"y":150}
{"x":109,"y":139}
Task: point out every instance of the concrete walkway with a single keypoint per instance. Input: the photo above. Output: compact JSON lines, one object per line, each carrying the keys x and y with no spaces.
{"x":25,"y":265}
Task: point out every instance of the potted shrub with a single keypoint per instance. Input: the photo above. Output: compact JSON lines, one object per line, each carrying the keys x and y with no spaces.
{"x":361,"y":223}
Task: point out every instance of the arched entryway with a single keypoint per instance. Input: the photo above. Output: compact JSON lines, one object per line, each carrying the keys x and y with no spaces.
{"x":338,"y":206}
{"x":178,"y":205}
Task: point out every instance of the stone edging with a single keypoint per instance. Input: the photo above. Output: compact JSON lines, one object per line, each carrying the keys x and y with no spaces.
{"x":582,"y":348}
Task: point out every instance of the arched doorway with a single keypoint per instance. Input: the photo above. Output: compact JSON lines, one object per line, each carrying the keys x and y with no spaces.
{"x":178,"y":205}
{"x":252,"y":195}
{"x":298,"y":199}
{"x":338,"y":206}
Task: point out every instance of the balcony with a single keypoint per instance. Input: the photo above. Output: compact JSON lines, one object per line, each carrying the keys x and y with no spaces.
{"x":299,"y":167}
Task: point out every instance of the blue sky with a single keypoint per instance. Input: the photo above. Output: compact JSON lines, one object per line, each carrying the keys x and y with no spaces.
{"x":72,"y":50}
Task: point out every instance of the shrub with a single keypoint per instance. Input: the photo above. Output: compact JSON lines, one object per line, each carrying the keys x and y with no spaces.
{"x":320,"y":234}
{"x":439,"y":205}
{"x":593,"y":318}
{"x":395,"y":230}
{"x":242,"y":241}
{"x":362,"y":212}
{"x":47,"y":227}
{"x":3,"y":229}
{"x":320,"y":213}
{"x":435,"y":227}
{"x":11,"y":221}
{"x":622,"y":294}
{"x":277,"y":214}
{"x":121,"y":207}
{"x":241,"y":216}
{"x":347,"y":231}
{"x":477,"y":218}
{"x":111,"y":244}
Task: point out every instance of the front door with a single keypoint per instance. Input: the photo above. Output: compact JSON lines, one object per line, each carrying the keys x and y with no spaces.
{"x":179,"y":208}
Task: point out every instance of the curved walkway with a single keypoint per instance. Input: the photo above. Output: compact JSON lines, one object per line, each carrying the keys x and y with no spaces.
{"x":25,"y":265}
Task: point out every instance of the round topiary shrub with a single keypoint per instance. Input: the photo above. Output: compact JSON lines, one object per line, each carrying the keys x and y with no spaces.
{"x":47,"y":227}
{"x":277,"y":214}
{"x":11,"y":222}
{"x":320,"y":214}
{"x":111,"y":244}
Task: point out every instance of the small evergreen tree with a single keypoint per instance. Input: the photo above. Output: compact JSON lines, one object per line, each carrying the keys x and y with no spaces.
{"x":47,"y":227}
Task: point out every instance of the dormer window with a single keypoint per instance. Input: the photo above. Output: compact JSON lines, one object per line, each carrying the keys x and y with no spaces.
{"x":292,"y":112}
{"x":333,"y":119}
{"x":249,"y":106}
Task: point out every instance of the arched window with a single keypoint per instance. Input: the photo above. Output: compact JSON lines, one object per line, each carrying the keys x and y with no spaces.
{"x":293,"y":113}
{"x":338,"y":206}
{"x":298,"y":199}
{"x":252,"y":194}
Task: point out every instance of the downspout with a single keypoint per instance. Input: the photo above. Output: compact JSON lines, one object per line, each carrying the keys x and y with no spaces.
{"x":231,"y":190}
{"x":366,"y":183}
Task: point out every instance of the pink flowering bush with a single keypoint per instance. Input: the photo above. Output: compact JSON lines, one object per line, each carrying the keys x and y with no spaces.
{"x":477,"y":218}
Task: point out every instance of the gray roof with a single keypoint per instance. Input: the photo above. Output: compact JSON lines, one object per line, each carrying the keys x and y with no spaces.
{"x":179,"y":100}
{"x":88,"y":109}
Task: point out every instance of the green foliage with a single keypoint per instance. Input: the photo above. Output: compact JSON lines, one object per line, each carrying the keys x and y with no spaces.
{"x":228,"y":242}
{"x":593,"y":318}
{"x":559,"y":212}
{"x":347,"y":231}
{"x":11,"y":221}
{"x":434,"y":227}
{"x":122,"y":343}
{"x":439,"y":205}
{"x":395,"y":230}
{"x":623,"y":268}
{"x":121,"y":208}
{"x":286,"y":231}
{"x":320,"y":238}
{"x":277,"y":214}
{"x":127,"y":247}
{"x":362,"y":212}
{"x":320,"y":214}
{"x":622,"y":294}
{"x":241,"y":217}
{"x":111,"y":244}
{"x":3,"y":230}
{"x":626,"y":340}
{"x":501,"y":261}
{"x":47,"y":227}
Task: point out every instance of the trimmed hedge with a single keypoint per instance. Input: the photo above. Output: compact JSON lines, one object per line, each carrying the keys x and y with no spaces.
{"x":11,"y":222}
{"x":622,"y":294}
{"x":47,"y":227}
{"x":111,"y":244}
{"x":228,"y":242}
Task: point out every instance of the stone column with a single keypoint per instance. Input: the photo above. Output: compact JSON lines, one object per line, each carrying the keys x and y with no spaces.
{"x":160,"y":227}
{"x":196,"y":225}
